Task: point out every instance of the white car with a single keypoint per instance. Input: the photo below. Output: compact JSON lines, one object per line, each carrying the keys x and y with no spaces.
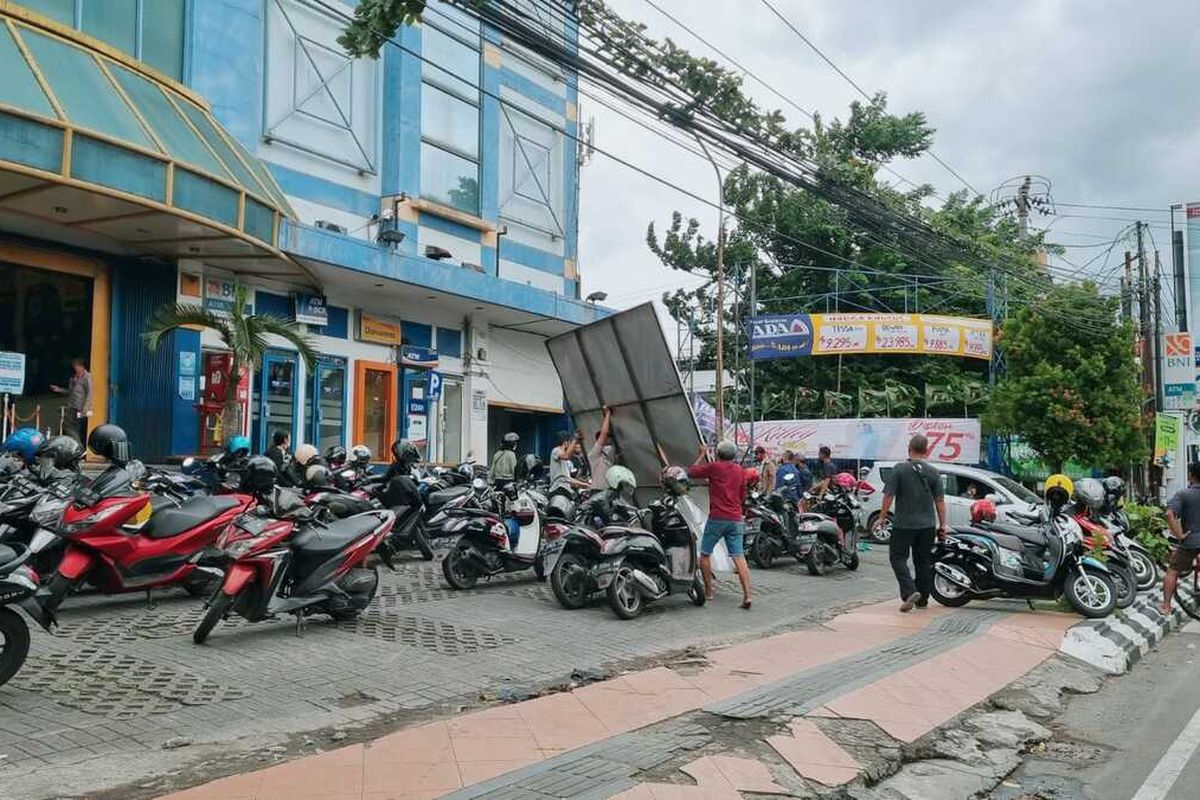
{"x":962,"y":486}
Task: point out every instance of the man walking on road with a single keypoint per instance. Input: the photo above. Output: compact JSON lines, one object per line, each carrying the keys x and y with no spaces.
{"x":1183,"y":518}
{"x":726,"y":492}
{"x":916,"y":488}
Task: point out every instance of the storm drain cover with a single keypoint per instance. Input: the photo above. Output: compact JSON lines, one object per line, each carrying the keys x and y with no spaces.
{"x":117,"y":686}
{"x":429,"y":634}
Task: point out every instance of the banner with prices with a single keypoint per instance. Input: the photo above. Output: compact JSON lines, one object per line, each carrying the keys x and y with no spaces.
{"x":791,"y":335}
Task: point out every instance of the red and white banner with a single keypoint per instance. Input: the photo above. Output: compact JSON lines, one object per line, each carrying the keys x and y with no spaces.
{"x":872,"y":439}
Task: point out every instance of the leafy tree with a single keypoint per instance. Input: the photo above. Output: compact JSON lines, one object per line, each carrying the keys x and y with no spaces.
{"x":244,"y":335}
{"x":375,"y":21}
{"x":1071,"y":389}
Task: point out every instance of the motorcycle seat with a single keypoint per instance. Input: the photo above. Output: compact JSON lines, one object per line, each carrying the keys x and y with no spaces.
{"x":442,"y":496}
{"x":195,"y":511}
{"x":1023,"y":532}
{"x":323,"y":541}
{"x":612,"y":531}
{"x":7,"y":556}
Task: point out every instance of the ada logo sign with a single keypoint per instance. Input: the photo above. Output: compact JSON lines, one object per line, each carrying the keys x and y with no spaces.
{"x":780,"y":336}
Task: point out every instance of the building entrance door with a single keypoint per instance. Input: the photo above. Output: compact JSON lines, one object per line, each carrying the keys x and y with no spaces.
{"x":276,"y":398}
{"x":325,"y":411}
{"x":375,"y":406}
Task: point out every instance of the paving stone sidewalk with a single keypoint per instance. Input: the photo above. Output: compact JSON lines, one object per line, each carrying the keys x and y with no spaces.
{"x":788,"y":714}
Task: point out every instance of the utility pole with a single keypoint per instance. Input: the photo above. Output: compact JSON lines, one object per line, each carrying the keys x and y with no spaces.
{"x":1144,"y":319}
{"x":720,"y":382}
{"x":1128,"y":280}
{"x":753,"y":313}
{"x":1158,"y":334}
{"x":1023,"y":207}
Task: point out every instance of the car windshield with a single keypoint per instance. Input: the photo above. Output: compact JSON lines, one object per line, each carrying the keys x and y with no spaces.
{"x":1016,"y":489}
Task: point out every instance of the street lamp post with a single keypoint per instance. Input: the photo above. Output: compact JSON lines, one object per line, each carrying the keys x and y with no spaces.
{"x":720,"y":378}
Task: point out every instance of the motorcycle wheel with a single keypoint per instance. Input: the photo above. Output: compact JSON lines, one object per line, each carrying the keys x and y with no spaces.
{"x":624,"y":595}
{"x":214,"y":613}
{"x":851,"y":562}
{"x":814,"y":562}
{"x":457,"y":571}
{"x":14,"y":643}
{"x":1144,"y":570}
{"x":949,"y":593}
{"x":422,"y":543}
{"x":696,"y":592}
{"x":1126,"y":585}
{"x":764,"y":551}
{"x":568,"y":580}
{"x":1091,"y":593}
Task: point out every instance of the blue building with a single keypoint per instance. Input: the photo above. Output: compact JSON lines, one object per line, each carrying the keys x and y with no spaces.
{"x":417,"y":212}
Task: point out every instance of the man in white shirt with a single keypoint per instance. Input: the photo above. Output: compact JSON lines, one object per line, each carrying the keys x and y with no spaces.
{"x":600,"y":456}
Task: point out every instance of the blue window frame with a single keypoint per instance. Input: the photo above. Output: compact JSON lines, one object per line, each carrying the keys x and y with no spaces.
{"x":449,"y":342}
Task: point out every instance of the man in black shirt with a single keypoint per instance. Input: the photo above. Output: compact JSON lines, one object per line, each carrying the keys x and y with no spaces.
{"x":916,"y":488}
{"x":278,"y":451}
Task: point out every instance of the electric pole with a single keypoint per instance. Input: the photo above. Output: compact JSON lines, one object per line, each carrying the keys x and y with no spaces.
{"x":720,"y":381}
{"x":1144,"y":320}
{"x":1158,"y":334}
{"x":1023,"y":207}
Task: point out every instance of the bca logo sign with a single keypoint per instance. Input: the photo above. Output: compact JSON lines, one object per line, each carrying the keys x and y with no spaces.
{"x":781,"y":328}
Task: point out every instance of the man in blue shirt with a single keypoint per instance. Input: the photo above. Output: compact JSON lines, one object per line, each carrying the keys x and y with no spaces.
{"x":787,"y":467}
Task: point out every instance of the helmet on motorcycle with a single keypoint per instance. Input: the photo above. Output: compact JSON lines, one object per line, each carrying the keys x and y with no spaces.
{"x":1114,"y":487}
{"x":510,"y":441}
{"x":405,"y":452}
{"x":259,"y":475}
{"x":533,"y":465}
{"x":620,"y":479}
{"x":360,"y":455}
{"x":845,"y":481}
{"x":776,"y":503}
{"x":750,"y":475}
{"x":238,"y":446}
{"x":110,"y":441}
{"x":62,"y":451}
{"x":675,"y":480}
{"x":983,"y":511}
{"x":23,"y":442}
{"x":304,"y":454}
{"x":1059,"y":490}
{"x":1090,"y":492}
{"x":335,"y":456}
{"x":317,"y":475}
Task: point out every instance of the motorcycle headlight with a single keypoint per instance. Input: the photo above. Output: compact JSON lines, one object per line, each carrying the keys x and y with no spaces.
{"x":240,"y":547}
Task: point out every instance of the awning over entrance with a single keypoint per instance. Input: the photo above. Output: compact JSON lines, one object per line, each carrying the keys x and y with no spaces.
{"x":93,"y":141}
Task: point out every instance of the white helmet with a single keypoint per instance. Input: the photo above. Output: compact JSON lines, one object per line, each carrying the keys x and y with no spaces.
{"x":620,"y":478}
{"x":304,"y":453}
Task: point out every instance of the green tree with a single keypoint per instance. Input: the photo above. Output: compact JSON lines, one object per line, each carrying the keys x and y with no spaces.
{"x":375,"y":21}
{"x":244,"y":335}
{"x":1071,"y":389}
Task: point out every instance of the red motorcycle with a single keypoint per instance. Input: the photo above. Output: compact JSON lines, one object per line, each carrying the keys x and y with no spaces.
{"x":131,"y":541}
{"x":283,"y":559}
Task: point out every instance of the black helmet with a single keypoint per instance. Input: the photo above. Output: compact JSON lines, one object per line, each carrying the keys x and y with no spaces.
{"x":360,"y":455}
{"x":259,"y":474}
{"x":405,"y":452}
{"x":1114,"y":487}
{"x":62,"y":451}
{"x":675,"y":480}
{"x":335,"y":456}
{"x":318,"y":475}
{"x":110,"y":441}
{"x":510,"y":441}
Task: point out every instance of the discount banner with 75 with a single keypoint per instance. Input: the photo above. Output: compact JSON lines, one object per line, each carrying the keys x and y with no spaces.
{"x":791,"y":335}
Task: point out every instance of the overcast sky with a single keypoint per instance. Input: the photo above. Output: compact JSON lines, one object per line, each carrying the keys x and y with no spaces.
{"x":1098,"y":96}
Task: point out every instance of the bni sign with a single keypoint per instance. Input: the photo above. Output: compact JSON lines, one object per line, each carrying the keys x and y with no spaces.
{"x":1179,"y":372}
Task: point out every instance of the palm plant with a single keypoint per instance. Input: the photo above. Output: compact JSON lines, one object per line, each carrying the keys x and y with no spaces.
{"x":244,"y":336}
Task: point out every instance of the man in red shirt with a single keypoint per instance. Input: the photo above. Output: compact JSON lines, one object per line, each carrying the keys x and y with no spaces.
{"x":726,"y":491}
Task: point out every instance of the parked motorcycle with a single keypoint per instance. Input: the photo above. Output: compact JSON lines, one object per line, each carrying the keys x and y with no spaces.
{"x":18,"y":587}
{"x":771,"y":529}
{"x":828,"y":528}
{"x":1045,"y":559}
{"x":504,"y":538}
{"x":281,"y":559}
{"x":1113,"y":517}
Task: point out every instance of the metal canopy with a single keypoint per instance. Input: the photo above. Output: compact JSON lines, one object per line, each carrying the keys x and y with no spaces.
{"x":623,"y":362}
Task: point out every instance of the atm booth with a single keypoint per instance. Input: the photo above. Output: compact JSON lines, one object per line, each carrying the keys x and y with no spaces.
{"x":217,"y":366}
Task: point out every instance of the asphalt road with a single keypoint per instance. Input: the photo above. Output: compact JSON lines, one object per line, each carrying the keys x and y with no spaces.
{"x":1138,"y":737}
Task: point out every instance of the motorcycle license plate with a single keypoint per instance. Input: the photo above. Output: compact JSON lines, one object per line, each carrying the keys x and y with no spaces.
{"x":550,"y":553}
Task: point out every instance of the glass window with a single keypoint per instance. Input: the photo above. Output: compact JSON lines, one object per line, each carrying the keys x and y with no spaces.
{"x":112,"y":21}
{"x":449,"y":342}
{"x":86,"y":95}
{"x":19,"y":88}
{"x":449,"y":121}
{"x":205,"y":197}
{"x":180,"y":140}
{"x":162,"y":36}
{"x":58,"y":10}
{"x":449,"y":179}
{"x":450,"y":53}
{"x":218,"y":143}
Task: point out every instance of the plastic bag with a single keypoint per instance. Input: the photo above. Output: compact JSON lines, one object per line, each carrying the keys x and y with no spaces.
{"x":696,"y":520}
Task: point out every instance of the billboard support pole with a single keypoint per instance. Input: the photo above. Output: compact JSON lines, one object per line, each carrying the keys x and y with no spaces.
{"x":720,"y":383}
{"x":753,"y":313}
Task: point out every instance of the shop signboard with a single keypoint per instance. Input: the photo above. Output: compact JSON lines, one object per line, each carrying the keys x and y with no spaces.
{"x":378,"y":331}
{"x":1166,"y":439}
{"x":792,"y":335}
{"x":12,"y":373}
{"x":418,"y":357}
{"x":1179,"y":372}
{"x":435,"y":386}
{"x":220,"y":294}
{"x":310,"y":309}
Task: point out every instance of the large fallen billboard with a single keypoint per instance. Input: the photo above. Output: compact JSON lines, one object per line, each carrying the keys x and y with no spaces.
{"x":623,"y":362}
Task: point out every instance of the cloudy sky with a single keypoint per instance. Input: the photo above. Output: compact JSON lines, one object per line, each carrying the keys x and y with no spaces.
{"x":1098,"y":96}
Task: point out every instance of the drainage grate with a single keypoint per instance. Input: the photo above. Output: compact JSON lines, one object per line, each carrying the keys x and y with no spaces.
{"x":429,"y":634}
{"x":117,"y":686}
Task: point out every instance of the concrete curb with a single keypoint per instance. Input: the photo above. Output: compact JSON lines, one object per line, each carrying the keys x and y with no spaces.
{"x":1114,"y":644}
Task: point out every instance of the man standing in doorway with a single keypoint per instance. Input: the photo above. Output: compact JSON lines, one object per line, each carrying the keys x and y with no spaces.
{"x":726,"y":492}
{"x":278,"y":451}
{"x":916,"y":488}
{"x":1183,"y":518}
{"x":79,"y":398}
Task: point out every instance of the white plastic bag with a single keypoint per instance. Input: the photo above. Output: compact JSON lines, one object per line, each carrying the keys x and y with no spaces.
{"x":696,"y":520}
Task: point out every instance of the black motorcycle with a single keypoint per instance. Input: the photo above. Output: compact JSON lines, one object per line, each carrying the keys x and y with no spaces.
{"x":502,"y":534}
{"x":1045,"y":559}
{"x":18,"y":587}
{"x":828,"y":533}
{"x":573,"y":550}
{"x":771,"y":529}
{"x":644,"y":566}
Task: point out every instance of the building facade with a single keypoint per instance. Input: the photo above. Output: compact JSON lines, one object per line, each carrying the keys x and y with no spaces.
{"x":416,"y":212}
